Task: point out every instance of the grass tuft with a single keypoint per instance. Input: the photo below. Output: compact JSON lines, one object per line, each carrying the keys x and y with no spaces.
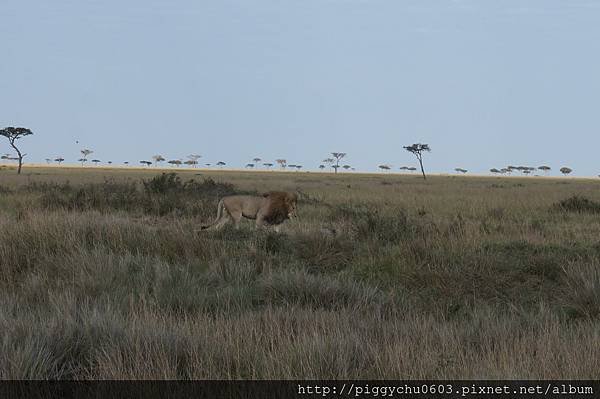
{"x":578,"y":204}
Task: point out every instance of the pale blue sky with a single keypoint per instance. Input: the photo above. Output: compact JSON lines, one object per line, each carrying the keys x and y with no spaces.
{"x":486,"y":83}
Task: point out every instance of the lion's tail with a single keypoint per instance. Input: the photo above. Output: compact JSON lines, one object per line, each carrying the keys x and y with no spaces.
{"x":220,"y":208}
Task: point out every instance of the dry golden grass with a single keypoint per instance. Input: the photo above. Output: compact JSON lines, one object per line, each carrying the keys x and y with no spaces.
{"x":383,"y":276}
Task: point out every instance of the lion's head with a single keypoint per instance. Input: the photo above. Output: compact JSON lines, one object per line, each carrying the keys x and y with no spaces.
{"x":290,"y":202}
{"x":282,"y":205}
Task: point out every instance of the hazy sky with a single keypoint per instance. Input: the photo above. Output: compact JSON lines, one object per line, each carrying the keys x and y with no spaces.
{"x":486,"y":83}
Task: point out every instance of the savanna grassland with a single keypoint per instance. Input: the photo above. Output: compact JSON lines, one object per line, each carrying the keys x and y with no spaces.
{"x":103,"y":274}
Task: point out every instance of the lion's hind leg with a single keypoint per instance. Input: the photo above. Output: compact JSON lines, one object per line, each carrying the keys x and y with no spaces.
{"x":236,"y":216}
{"x":221,"y":219}
{"x":222,"y":222}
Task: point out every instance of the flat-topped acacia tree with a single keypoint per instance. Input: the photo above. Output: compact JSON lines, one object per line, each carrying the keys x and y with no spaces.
{"x":545,"y":168}
{"x":158,"y":159}
{"x":85,"y":152}
{"x":337,"y":156}
{"x":193,"y":159}
{"x":282,"y":162}
{"x":565,"y":170}
{"x":418,"y":149}
{"x":13,"y":134}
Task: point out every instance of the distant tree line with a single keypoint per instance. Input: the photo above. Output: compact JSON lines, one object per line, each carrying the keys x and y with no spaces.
{"x":14,"y":134}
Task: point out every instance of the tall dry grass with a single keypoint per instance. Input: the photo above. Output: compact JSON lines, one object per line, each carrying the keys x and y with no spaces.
{"x":382,"y":277}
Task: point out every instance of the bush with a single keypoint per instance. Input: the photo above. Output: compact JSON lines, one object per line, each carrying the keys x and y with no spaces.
{"x":316,"y":252}
{"x":102,"y":197}
{"x":165,"y":183}
{"x":578,"y":204}
{"x":169,"y":183}
{"x":159,"y":196}
{"x":370,"y":222}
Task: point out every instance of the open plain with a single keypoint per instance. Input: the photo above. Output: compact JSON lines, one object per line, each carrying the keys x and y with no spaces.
{"x":104,"y":275}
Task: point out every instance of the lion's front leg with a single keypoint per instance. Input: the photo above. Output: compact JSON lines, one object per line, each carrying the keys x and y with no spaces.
{"x":260,"y":221}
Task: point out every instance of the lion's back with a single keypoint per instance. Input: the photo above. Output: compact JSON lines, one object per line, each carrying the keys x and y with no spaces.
{"x":247,"y":204}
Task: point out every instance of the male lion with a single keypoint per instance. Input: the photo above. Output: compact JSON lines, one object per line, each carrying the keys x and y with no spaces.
{"x":273,"y":208}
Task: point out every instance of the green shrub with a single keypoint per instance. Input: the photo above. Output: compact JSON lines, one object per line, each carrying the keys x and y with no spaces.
{"x":162,"y":184}
{"x":159,"y":196}
{"x":169,"y":183}
{"x":371,"y":223}
{"x":578,"y":204}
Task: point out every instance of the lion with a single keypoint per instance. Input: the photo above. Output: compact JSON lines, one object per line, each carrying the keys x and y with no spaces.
{"x":272,"y":208}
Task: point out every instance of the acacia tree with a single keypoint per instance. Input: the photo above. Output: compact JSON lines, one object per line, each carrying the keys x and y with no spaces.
{"x":337,"y":156}
{"x":13,"y":134}
{"x":526,"y":170}
{"x":7,"y":157}
{"x":147,"y":163}
{"x":282,"y":163}
{"x":544,"y":168}
{"x":194,"y":158}
{"x":85,"y":152}
{"x":461,"y":170}
{"x":418,"y":149}
{"x":158,"y":159}
{"x":59,"y":160}
{"x":384,"y":167}
{"x":565,"y":171}
{"x":96,"y":161}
